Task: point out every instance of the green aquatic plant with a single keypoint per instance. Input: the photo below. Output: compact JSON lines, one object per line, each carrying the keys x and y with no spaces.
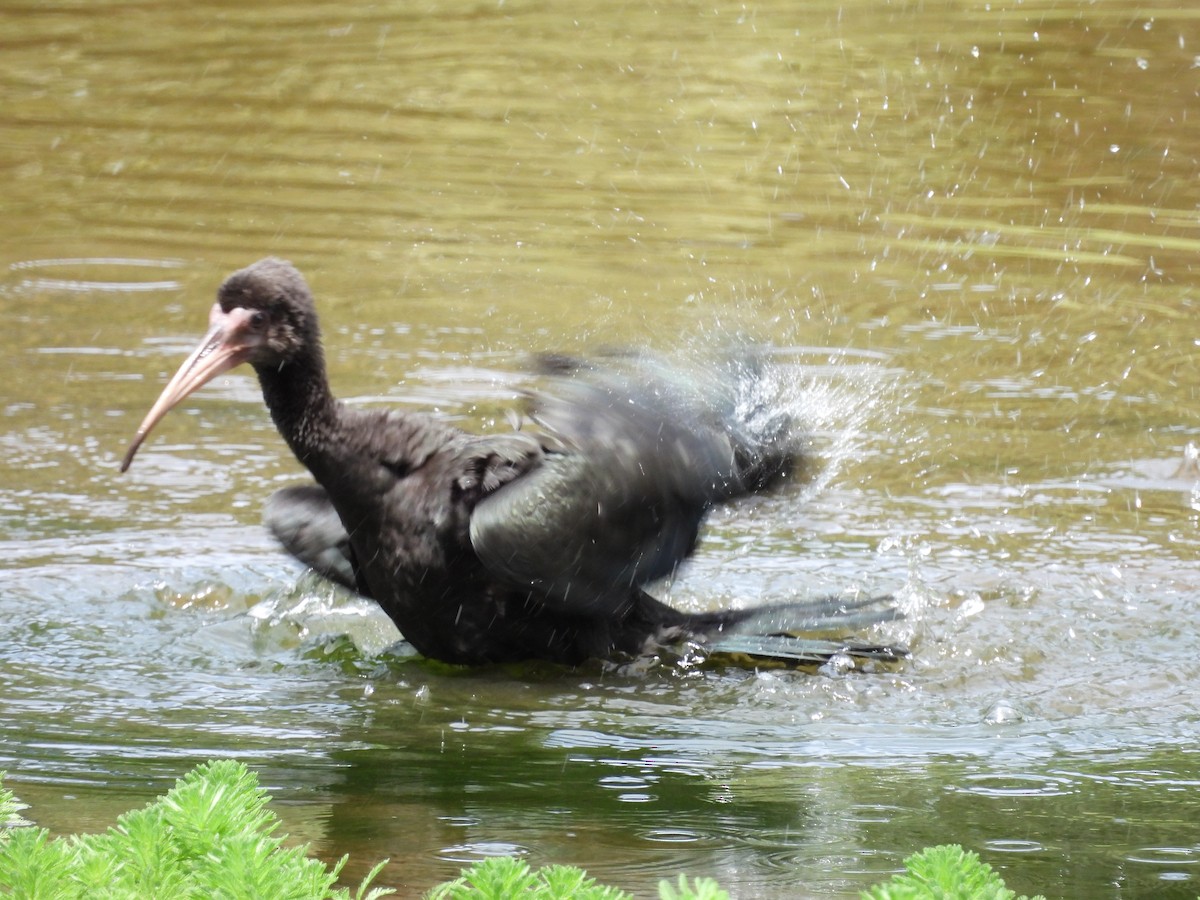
{"x":946,"y":872}
{"x":209,"y":836}
{"x":9,"y":807}
{"x":937,"y":873}
{"x":697,"y":889}
{"x":213,"y":836}
{"x":507,"y":877}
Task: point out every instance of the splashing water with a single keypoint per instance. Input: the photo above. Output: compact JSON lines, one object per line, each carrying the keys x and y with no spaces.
{"x":832,"y":400}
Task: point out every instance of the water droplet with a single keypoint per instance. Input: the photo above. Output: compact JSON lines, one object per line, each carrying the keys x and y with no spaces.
{"x":1002,"y":713}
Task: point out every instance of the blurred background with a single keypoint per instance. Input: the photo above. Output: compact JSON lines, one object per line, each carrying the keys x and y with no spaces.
{"x":967,"y":234}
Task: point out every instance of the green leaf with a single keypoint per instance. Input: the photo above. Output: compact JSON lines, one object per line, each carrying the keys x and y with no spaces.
{"x":211,"y":836}
{"x":946,"y":872}
{"x":700,"y":889}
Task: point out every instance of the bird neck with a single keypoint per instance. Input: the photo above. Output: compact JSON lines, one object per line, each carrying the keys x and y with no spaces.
{"x":302,"y":405}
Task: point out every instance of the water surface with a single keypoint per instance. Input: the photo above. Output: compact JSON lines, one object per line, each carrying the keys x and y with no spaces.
{"x":968,"y":234}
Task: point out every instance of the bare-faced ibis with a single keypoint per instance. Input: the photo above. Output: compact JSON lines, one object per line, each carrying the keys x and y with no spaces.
{"x":535,"y":544}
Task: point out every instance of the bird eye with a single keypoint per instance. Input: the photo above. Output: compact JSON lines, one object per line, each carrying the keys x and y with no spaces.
{"x":258,"y":319}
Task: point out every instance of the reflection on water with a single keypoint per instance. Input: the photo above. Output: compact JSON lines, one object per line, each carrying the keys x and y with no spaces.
{"x":968,"y":232}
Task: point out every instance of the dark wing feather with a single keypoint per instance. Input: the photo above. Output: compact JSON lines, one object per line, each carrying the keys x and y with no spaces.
{"x":303,"y":520}
{"x":618,"y":499}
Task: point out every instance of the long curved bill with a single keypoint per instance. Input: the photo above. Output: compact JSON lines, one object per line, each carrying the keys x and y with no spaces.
{"x":228,"y":343}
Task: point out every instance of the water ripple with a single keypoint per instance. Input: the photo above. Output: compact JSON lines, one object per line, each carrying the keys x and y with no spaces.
{"x":84,"y":285}
{"x":1016,"y":784}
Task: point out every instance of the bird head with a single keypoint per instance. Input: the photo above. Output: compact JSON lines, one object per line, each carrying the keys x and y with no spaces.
{"x":264,"y":315}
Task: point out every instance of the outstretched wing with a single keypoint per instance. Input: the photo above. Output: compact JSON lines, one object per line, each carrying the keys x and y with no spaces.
{"x":617,"y":501}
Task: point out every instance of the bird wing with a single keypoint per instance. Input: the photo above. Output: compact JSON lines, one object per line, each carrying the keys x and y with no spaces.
{"x":303,"y":519}
{"x":615,"y":502}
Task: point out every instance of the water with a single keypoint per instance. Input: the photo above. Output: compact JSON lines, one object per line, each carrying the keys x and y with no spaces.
{"x":967,"y":232}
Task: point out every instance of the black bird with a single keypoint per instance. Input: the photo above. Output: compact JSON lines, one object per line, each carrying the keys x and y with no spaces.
{"x":529,"y":545}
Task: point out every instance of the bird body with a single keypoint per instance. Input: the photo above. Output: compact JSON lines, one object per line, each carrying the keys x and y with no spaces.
{"x":535,"y":544}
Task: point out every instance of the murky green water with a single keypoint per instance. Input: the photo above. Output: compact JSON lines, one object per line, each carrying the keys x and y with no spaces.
{"x":969,"y":230}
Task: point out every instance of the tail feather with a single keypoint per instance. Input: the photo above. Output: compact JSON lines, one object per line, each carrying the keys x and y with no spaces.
{"x":826,"y":614}
{"x":802,"y":633}
{"x":800,"y":651}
